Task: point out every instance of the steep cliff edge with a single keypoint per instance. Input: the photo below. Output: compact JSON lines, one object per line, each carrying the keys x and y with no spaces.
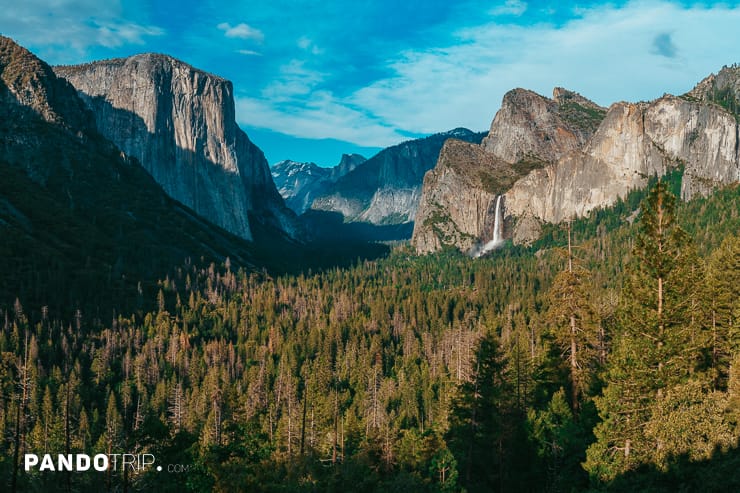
{"x":528,"y":133}
{"x":179,"y":122}
{"x":74,"y":210}
{"x":590,"y":160}
{"x":532,"y":127}
{"x":634,"y":142}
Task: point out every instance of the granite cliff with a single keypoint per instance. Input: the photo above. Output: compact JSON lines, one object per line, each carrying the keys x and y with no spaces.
{"x":179,"y":123}
{"x":74,"y":209}
{"x":569,"y":163}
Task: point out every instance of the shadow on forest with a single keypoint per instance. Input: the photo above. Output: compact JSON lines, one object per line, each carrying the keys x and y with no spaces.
{"x":82,"y":227}
{"x":718,"y":474}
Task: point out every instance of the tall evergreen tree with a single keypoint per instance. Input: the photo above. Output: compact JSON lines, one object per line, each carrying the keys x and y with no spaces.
{"x":659,"y":344}
{"x":574,"y":326}
{"x":723,"y":294}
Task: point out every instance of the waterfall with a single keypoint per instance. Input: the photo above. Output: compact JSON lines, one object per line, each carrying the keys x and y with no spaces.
{"x":498,"y":230}
{"x":497,"y":226}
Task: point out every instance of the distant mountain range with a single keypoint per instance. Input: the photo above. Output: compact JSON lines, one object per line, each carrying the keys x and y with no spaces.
{"x":382,"y":191}
{"x":300,"y":183}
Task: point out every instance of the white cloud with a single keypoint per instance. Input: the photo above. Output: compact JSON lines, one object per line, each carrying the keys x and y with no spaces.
{"x":607,"y":54}
{"x":241,"y":31}
{"x":113,"y":34}
{"x":296,"y":104}
{"x":320,"y":117}
{"x":65,"y":30}
{"x":306,"y":44}
{"x":510,"y":7}
{"x":249,"y":52}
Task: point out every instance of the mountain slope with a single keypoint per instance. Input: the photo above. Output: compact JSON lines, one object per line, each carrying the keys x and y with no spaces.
{"x":75,"y":212}
{"x":386,"y":188}
{"x":179,"y":122}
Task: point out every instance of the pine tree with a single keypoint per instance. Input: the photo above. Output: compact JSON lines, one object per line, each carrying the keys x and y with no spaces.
{"x":478,"y":432}
{"x":659,"y":344}
{"x":723,"y":293}
{"x":575,"y":328}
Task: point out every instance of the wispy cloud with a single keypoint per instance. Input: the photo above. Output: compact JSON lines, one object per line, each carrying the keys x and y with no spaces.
{"x":663,"y":45}
{"x":306,"y":44}
{"x":249,"y":52}
{"x":320,"y":117}
{"x":241,"y":31}
{"x":69,"y":29}
{"x":115,"y":34}
{"x":510,"y":7}
{"x":607,"y":53}
{"x":297,"y":103}
{"x":602,"y":54}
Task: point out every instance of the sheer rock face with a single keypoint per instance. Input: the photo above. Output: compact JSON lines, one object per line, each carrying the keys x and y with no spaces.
{"x":457,"y":203}
{"x":586,"y":162}
{"x":530,"y":126}
{"x":179,"y":122}
{"x":634,"y":142}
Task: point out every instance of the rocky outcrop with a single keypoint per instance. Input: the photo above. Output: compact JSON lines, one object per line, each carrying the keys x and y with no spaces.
{"x":347,"y":163}
{"x":300,"y":183}
{"x":31,"y":83}
{"x":584,"y":164}
{"x":635,"y":141}
{"x":458,"y":200}
{"x":532,"y":127}
{"x":179,"y":122}
{"x":386,"y":188}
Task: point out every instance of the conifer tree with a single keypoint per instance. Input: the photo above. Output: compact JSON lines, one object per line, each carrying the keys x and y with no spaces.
{"x":575,"y":329}
{"x":658,"y":346}
{"x":723,"y":293}
{"x":478,"y":420}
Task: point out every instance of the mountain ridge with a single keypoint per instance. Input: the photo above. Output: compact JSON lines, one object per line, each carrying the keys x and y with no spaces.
{"x":76,"y":210}
{"x":300,"y":182}
{"x":385,"y":189}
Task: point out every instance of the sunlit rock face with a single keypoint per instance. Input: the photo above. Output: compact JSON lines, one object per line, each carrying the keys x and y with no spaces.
{"x":386,"y":189}
{"x":179,"y":122}
{"x":568,"y":156}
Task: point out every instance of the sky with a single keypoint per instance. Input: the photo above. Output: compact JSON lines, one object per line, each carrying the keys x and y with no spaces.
{"x":313,"y":80}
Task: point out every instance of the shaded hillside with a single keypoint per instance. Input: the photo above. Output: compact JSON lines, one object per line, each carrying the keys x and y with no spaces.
{"x":386,"y":188}
{"x":75,"y":213}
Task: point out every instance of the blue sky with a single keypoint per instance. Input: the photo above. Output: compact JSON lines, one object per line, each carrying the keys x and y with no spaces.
{"x":315,"y":79}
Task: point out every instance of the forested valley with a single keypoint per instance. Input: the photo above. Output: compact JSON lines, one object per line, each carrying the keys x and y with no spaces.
{"x":604,"y":357}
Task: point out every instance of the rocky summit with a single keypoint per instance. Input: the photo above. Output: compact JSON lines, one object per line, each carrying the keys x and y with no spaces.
{"x":564,"y":157}
{"x":179,"y":123}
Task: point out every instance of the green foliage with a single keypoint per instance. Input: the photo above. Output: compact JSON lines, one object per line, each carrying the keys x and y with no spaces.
{"x":581,"y":116}
{"x":365,"y":378}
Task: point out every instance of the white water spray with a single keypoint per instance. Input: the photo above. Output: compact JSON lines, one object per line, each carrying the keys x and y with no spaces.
{"x":498,"y":227}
